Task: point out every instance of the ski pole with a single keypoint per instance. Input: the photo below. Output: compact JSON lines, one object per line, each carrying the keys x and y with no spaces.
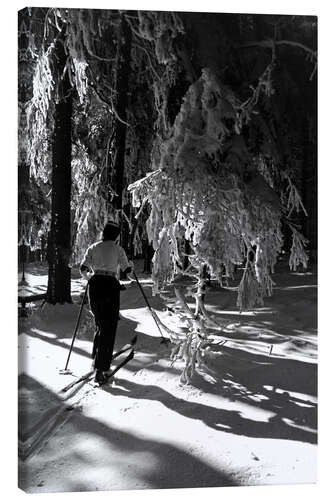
{"x":164,"y":340}
{"x":64,"y":371}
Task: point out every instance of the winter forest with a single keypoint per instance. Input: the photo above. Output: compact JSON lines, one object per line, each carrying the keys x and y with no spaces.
{"x":195,"y":133}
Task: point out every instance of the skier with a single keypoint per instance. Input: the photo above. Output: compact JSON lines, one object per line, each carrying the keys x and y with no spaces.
{"x":103,"y":259}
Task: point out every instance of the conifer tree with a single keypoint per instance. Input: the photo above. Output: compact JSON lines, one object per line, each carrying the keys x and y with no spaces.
{"x":225,"y":176}
{"x":59,"y":240}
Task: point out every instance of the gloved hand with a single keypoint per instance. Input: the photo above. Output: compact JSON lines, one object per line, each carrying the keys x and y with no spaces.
{"x":86,"y":272}
{"x":130,"y":268}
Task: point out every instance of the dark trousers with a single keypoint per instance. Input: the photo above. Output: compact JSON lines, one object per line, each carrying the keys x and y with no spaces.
{"x":104,"y":298}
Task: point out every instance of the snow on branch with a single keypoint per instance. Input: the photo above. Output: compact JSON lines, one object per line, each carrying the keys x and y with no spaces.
{"x":160,"y":28}
{"x":294,"y":200}
{"x":297,"y":253}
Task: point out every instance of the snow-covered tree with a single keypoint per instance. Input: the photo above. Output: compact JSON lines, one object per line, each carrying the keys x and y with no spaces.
{"x":218,"y":181}
{"x":113,"y":111}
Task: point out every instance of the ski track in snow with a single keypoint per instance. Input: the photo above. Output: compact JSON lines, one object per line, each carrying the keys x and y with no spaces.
{"x":250,"y":419}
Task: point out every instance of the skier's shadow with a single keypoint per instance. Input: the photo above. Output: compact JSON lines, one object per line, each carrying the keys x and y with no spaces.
{"x":230,"y":421}
{"x":168,"y":466}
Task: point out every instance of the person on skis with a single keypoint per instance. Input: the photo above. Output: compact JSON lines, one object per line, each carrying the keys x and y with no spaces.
{"x":103,"y":260}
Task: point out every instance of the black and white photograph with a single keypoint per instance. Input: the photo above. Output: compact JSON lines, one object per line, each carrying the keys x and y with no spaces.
{"x":167,"y":231}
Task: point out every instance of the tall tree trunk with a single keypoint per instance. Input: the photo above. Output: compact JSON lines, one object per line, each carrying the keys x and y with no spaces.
{"x":122,"y":78}
{"x":59,"y":239}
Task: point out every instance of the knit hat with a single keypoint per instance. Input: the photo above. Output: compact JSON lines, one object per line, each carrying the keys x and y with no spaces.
{"x":111,"y":231}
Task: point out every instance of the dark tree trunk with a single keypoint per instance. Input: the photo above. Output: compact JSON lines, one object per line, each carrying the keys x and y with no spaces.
{"x":59,"y":239}
{"x":187,"y":250}
{"x":148,"y":253}
{"x":120,"y":103}
{"x":131,"y":235}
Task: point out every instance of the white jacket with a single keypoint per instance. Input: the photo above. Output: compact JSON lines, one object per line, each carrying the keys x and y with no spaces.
{"x":106,"y":256}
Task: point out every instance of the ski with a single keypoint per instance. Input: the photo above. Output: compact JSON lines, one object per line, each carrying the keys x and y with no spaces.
{"x":90,"y":373}
{"x":75,"y":382}
{"x":125,"y":348}
{"x":121,"y":365}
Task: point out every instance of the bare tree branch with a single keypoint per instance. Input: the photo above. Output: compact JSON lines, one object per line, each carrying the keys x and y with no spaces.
{"x":268,"y":44}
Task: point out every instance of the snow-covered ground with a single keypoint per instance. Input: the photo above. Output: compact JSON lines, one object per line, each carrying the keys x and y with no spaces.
{"x":251,"y":419}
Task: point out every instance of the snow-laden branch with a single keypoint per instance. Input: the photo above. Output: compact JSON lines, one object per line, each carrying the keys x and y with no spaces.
{"x":144,"y":180}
